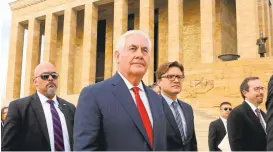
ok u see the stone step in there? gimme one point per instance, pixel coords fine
(202, 119)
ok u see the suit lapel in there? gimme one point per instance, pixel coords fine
(170, 117)
(123, 95)
(253, 117)
(40, 115)
(222, 125)
(155, 115)
(66, 112)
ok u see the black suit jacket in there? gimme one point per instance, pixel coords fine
(245, 132)
(25, 127)
(174, 140)
(269, 108)
(217, 132)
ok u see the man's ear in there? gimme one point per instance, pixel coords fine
(35, 81)
(244, 92)
(158, 82)
(117, 56)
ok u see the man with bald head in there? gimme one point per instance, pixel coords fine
(122, 113)
(42, 121)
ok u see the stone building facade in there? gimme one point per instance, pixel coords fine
(78, 37)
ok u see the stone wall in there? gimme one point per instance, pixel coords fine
(191, 32)
(228, 26)
(207, 85)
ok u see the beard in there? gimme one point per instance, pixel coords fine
(51, 91)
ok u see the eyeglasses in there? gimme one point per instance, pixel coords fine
(45, 76)
(259, 89)
(172, 77)
(226, 109)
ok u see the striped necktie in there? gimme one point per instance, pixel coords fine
(260, 118)
(178, 120)
(57, 128)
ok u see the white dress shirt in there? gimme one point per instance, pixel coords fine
(253, 107)
(142, 94)
(224, 122)
(49, 121)
(170, 101)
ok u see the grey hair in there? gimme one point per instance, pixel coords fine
(121, 41)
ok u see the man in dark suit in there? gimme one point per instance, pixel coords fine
(269, 108)
(121, 113)
(246, 123)
(218, 128)
(179, 115)
(42, 121)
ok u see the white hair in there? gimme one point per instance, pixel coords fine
(121, 41)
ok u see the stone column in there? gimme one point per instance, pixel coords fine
(175, 30)
(162, 34)
(136, 19)
(32, 55)
(13, 84)
(207, 11)
(247, 28)
(120, 24)
(69, 35)
(108, 49)
(89, 55)
(267, 27)
(146, 24)
(51, 26)
(261, 15)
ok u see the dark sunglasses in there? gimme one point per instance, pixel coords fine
(226, 109)
(45, 76)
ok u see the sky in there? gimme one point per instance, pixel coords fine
(5, 22)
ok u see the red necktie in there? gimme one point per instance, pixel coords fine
(144, 115)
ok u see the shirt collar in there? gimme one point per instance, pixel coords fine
(44, 99)
(169, 100)
(129, 85)
(223, 119)
(251, 105)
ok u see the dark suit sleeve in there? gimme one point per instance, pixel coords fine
(194, 141)
(269, 108)
(193, 145)
(10, 140)
(212, 137)
(87, 122)
(235, 128)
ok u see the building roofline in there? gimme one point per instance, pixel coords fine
(18, 4)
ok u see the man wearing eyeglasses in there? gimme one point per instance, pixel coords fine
(218, 128)
(179, 115)
(246, 123)
(42, 121)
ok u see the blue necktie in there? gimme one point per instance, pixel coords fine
(178, 120)
(57, 128)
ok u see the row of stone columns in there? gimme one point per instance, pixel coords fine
(170, 33)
